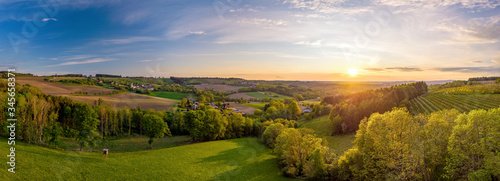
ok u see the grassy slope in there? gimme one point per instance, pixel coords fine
(237, 159)
(256, 105)
(339, 143)
(128, 144)
(261, 96)
(170, 95)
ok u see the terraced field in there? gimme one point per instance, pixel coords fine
(431, 102)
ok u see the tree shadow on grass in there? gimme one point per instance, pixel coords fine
(251, 160)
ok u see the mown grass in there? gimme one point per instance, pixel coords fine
(256, 105)
(237, 159)
(170, 95)
(129, 144)
(266, 95)
(339, 143)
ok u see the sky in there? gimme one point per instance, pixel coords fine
(324, 40)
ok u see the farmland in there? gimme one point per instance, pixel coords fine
(120, 100)
(171, 95)
(262, 95)
(432, 102)
(130, 100)
(237, 159)
(462, 98)
(60, 89)
(218, 87)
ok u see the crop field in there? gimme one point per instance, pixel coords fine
(256, 105)
(171, 95)
(240, 95)
(242, 107)
(60, 89)
(262, 95)
(431, 102)
(237, 159)
(218, 87)
(339, 143)
(131, 100)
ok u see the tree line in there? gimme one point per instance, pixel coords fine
(349, 110)
(396, 145)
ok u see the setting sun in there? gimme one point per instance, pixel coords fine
(353, 72)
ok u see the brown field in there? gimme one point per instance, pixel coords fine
(218, 87)
(60, 89)
(245, 109)
(131, 100)
(240, 95)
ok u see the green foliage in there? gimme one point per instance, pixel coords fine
(257, 112)
(87, 121)
(53, 131)
(155, 127)
(301, 153)
(293, 108)
(271, 133)
(353, 108)
(473, 146)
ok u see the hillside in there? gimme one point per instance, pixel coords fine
(237, 159)
(462, 98)
(321, 126)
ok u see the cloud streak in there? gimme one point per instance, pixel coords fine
(95, 60)
(130, 40)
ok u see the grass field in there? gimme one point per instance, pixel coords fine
(432, 101)
(256, 105)
(170, 95)
(262, 95)
(129, 144)
(339, 143)
(237, 159)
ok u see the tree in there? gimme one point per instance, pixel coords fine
(473, 147)
(294, 109)
(271, 133)
(53, 130)
(257, 112)
(155, 127)
(87, 122)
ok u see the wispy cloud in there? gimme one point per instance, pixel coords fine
(96, 60)
(197, 32)
(144, 60)
(490, 69)
(399, 69)
(309, 43)
(496, 61)
(404, 69)
(49, 19)
(77, 57)
(130, 40)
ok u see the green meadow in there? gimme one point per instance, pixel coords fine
(256, 105)
(266, 95)
(339, 143)
(170, 95)
(236, 159)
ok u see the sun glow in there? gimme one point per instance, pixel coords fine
(353, 72)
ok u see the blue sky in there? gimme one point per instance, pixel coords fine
(260, 39)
